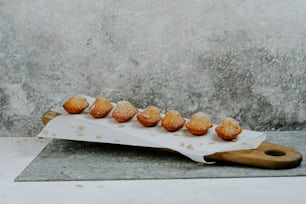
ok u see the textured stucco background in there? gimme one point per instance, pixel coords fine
(244, 59)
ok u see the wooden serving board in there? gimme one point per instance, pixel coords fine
(266, 155)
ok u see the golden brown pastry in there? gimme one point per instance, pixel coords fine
(199, 124)
(229, 129)
(149, 117)
(124, 111)
(173, 121)
(101, 107)
(76, 104)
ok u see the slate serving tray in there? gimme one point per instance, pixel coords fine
(64, 160)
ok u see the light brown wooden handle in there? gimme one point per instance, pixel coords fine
(266, 155)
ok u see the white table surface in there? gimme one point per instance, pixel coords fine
(17, 152)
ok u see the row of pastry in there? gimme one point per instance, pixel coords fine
(124, 111)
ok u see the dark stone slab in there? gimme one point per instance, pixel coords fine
(64, 160)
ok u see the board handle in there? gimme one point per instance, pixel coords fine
(266, 155)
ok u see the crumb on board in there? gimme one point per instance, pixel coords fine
(190, 147)
(45, 132)
(121, 125)
(182, 144)
(175, 134)
(53, 134)
(116, 140)
(98, 137)
(81, 128)
(78, 185)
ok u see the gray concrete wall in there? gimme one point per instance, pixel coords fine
(244, 59)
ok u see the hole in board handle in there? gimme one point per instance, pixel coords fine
(275, 153)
